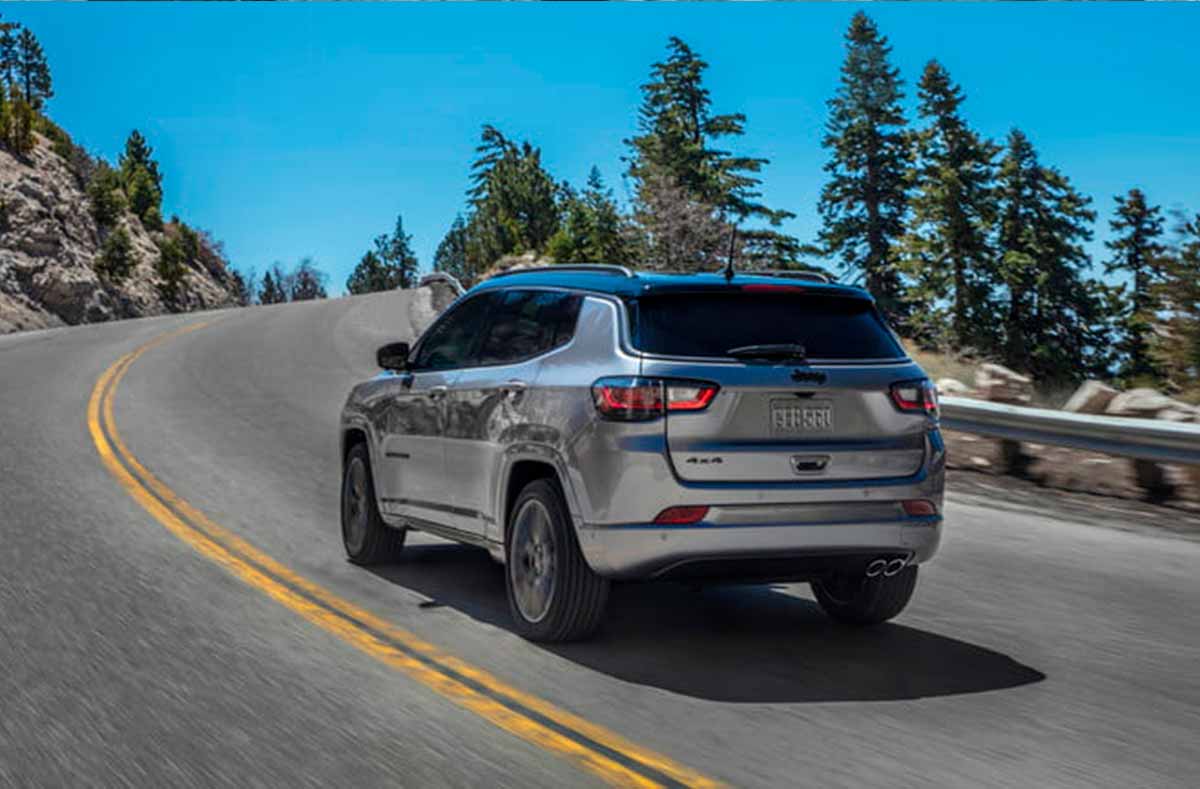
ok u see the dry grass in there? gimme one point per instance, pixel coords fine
(938, 365)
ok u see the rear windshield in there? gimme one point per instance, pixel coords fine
(710, 324)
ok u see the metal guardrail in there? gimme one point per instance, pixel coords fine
(1148, 439)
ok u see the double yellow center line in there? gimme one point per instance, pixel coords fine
(599, 750)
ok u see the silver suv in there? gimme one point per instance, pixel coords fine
(587, 424)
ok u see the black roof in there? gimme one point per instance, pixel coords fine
(630, 284)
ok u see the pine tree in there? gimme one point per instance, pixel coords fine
(392, 264)
(592, 229)
(1056, 322)
(307, 282)
(396, 252)
(139, 154)
(20, 118)
(272, 291)
(1176, 348)
(368, 276)
(513, 200)
(242, 287)
(32, 70)
(9, 58)
(1138, 252)
(676, 149)
(863, 204)
(144, 197)
(451, 254)
(947, 250)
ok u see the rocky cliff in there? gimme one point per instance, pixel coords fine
(49, 243)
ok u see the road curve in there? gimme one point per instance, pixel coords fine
(1040, 650)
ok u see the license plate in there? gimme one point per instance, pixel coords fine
(792, 418)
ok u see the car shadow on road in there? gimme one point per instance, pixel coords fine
(730, 644)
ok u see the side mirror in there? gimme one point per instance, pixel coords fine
(393, 356)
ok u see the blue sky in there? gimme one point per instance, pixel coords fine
(303, 129)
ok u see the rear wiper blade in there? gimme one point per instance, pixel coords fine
(776, 351)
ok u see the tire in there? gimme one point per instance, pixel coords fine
(552, 593)
(860, 600)
(367, 539)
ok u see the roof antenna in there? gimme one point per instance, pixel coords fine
(729, 261)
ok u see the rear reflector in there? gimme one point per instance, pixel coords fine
(918, 507)
(681, 515)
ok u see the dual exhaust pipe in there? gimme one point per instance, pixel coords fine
(886, 567)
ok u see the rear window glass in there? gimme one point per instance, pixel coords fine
(710, 324)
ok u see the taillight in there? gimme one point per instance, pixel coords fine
(641, 399)
(677, 516)
(919, 396)
(628, 399)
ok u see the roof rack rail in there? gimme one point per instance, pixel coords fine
(812, 276)
(595, 268)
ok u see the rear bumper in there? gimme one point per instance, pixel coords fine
(765, 551)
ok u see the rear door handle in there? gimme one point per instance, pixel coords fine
(437, 392)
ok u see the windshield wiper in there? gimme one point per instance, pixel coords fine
(787, 350)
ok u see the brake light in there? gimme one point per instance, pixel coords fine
(918, 396)
(677, 516)
(642, 399)
(628, 399)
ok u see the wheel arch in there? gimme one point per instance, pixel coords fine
(520, 470)
(354, 432)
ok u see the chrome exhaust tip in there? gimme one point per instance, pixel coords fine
(877, 567)
(894, 567)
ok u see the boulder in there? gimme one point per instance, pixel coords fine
(1002, 385)
(1092, 397)
(1149, 404)
(952, 387)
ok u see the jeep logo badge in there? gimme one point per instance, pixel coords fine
(808, 376)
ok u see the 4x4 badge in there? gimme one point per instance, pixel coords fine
(808, 376)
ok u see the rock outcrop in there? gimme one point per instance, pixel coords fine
(952, 387)
(49, 243)
(1092, 397)
(1002, 385)
(1151, 404)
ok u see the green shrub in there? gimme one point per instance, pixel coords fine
(106, 197)
(19, 129)
(153, 219)
(143, 194)
(116, 259)
(171, 268)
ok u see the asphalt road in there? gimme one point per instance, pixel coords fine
(1043, 648)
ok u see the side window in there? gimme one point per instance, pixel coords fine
(528, 323)
(453, 341)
